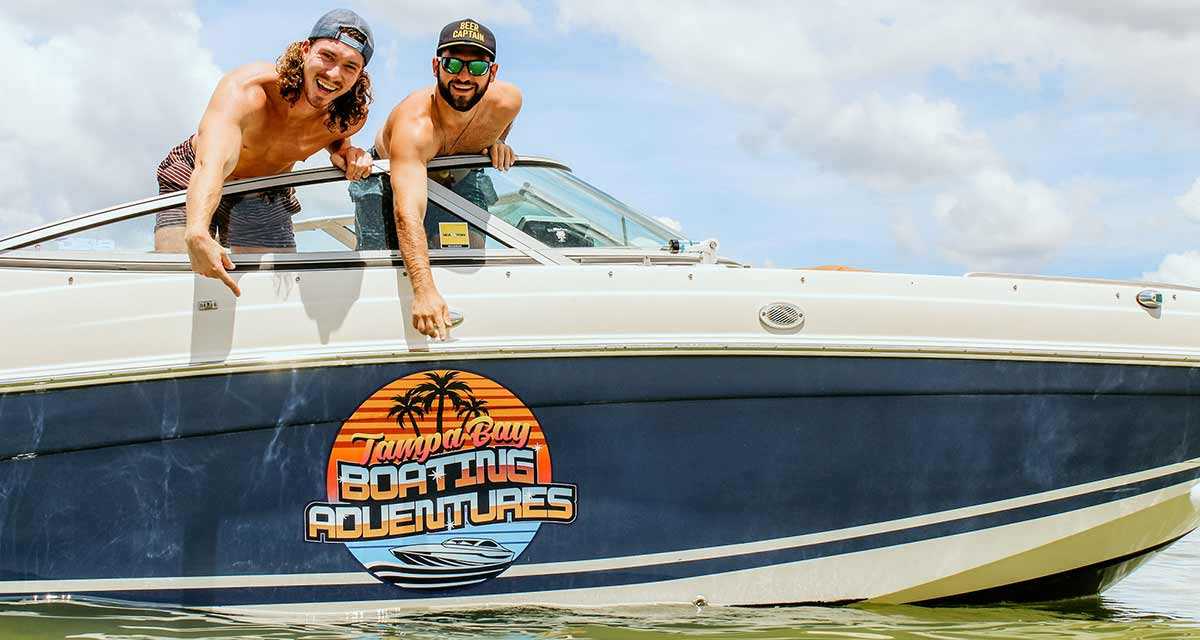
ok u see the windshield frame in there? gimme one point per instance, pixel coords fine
(130, 210)
(20, 246)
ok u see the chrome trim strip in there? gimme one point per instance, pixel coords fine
(59, 379)
(1073, 279)
(620, 562)
(88, 261)
(627, 255)
(160, 262)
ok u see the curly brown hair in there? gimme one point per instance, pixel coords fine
(345, 112)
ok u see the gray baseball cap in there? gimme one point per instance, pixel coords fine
(331, 24)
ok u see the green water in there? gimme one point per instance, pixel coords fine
(1161, 600)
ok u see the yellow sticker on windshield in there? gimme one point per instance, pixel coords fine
(453, 235)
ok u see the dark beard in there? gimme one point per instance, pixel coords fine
(444, 90)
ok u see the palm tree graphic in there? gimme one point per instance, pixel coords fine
(472, 407)
(408, 405)
(440, 388)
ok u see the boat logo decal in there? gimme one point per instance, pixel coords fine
(440, 479)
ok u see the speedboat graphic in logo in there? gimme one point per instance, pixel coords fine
(439, 480)
(454, 563)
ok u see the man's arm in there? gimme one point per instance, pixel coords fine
(509, 106)
(430, 315)
(218, 144)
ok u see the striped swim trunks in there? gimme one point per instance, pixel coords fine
(262, 219)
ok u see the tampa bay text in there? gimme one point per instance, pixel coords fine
(383, 495)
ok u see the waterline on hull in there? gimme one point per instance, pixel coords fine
(830, 580)
(905, 582)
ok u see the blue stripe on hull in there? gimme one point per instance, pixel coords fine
(210, 476)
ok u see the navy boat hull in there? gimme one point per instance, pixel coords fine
(744, 480)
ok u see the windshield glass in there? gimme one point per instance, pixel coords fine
(556, 208)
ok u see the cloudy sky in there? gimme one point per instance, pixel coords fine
(1041, 136)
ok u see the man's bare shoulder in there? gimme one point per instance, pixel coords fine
(416, 105)
(506, 97)
(413, 136)
(252, 84)
(410, 125)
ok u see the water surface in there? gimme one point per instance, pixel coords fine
(1160, 601)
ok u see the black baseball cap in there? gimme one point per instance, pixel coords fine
(331, 24)
(469, 33)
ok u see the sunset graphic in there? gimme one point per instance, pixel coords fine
(432, 402)
(439, 480)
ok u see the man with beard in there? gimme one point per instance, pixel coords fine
(261, 120)
(467, 111)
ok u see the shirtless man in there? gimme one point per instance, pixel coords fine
(467, 111)
(261, 120)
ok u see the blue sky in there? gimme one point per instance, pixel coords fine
(899, 136)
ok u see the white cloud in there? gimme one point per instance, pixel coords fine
(420, 17)
(1176, 18)
(996, 223)
(71, 14)
(1177, 268)
(893, 144)
(833, 84)
(1190, 202)
(820, 79)
(104, 94)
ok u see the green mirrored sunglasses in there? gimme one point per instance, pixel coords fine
(474, 67)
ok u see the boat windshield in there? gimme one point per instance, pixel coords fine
(556, 208)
